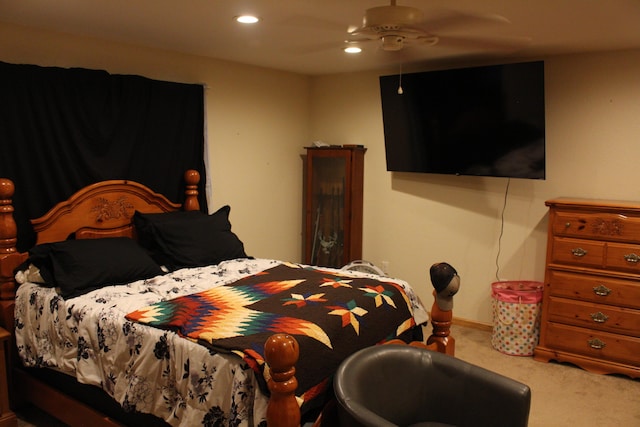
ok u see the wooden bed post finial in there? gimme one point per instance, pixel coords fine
(191, 179)
(281, 352)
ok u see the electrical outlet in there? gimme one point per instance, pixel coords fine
(385, 267)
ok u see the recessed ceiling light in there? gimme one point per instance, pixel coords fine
(247, 19)
(352, 49)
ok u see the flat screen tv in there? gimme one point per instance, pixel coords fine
(484, 121)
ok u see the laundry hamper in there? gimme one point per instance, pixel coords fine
(516, 316)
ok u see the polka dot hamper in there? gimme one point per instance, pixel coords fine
(516, 316)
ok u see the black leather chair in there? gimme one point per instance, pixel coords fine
(399, 385)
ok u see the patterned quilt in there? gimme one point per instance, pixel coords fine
(330, 313)
(154, 370)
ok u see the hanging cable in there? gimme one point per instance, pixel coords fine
(400, 91)
(504, 207)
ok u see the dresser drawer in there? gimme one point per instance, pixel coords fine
(597, 289)
(595, 316)
(578, 252)
(604, 226)
(596, 344)
(623, 257)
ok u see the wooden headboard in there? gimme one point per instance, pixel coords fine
(104, 209)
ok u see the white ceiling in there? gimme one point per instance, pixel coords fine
(306, 36)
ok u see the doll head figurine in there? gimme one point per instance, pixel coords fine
(446, 282)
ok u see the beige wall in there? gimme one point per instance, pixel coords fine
(258, 120)
(414, 220)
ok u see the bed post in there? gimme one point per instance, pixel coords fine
(446, 283)
(281, 352)
(10, 258)
(191, 179)
(441, 336)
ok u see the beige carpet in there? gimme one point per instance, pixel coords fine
(562, 395)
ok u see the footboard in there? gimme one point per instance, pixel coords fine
(281, 353)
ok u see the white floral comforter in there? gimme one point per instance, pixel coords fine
(144, 368)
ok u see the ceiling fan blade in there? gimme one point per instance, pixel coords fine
(318, 47)
(363, 34)
(503, 44)
(314, 23)
(452, 20)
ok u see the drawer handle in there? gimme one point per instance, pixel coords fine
(596, 343)
(633, 258)
(599, 317)
(567, 224)
(579, 252)
(601, 290)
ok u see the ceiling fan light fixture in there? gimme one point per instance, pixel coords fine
(392, 42)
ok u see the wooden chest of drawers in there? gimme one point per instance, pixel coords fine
(591, 303)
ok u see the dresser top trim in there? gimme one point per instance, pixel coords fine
(593, 204)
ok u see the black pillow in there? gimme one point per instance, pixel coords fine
(79, 266)
(188, 239)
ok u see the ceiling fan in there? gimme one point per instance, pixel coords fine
(396, 27)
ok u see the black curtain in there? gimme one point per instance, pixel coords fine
(62, 129)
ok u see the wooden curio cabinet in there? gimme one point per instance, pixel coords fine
(333, 205)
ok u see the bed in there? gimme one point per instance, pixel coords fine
(152, 346)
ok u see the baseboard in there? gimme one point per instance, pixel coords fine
(472, 324)
(8, 419)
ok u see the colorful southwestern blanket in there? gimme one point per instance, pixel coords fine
(331, 314)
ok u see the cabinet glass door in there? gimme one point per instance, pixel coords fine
(328, 210)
